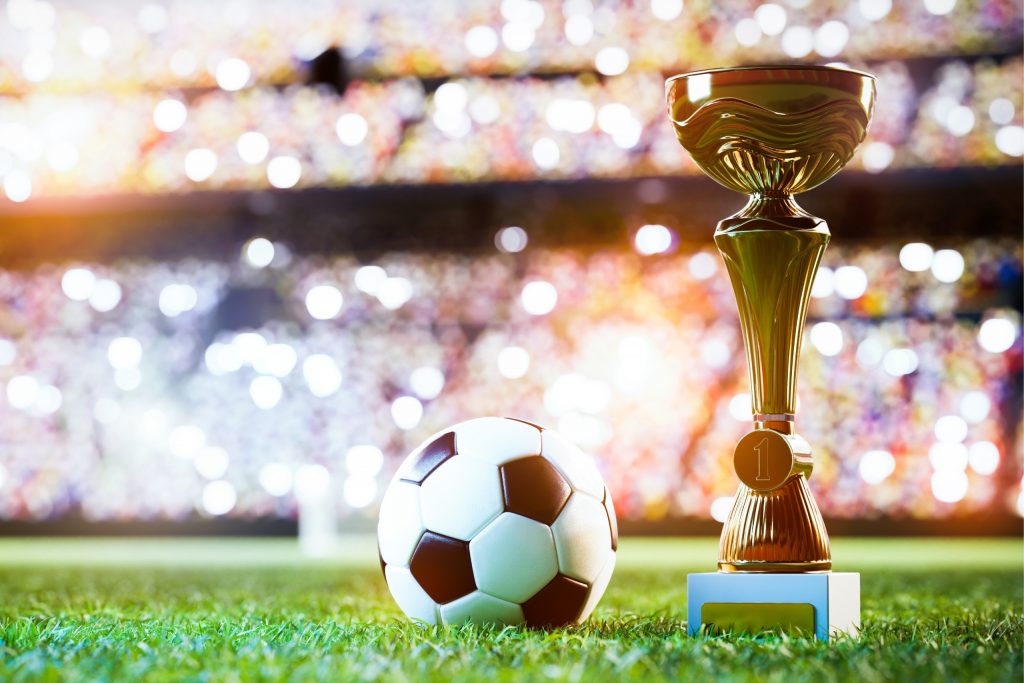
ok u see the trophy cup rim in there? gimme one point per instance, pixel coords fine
(771, 67)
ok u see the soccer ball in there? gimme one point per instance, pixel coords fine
(497, 520)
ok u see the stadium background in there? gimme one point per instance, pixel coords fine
(253, 253)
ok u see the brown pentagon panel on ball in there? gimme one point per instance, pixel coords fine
(534, 489)
(416, 469)
(442, 567)
(557, 604)
(613, 523)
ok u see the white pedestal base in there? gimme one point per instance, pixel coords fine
(825, 603)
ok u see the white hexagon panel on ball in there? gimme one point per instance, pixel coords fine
(460, 497)
(513, 557)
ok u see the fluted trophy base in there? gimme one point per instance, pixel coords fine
(775, 531)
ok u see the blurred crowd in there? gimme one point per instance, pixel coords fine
(62, 45)
(139, 390)
(465, 130)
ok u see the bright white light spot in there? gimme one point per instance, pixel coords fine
(748, 33)
(771, 18)
(546, 153)
(407, 412)
(48, 401)
(831, 38)
(484, 109)
(613, 116)
(8, 351)
(997, 335)
(877, 156)
(22, 391)
(702, 265)
(949, 486)
(666, 10)
(223, 358)
(252, 147)
(426, 382)
(324, 302)
(312, 482)
(124, 352)
(874, 10)
(265, 392)
(249, 345)
(62, 156)
(947, 265)
(824, 283)
(539, 297)
(950, 429)
(876, 466)
(259, 252)
(653, 239)
(321, 374)
(527, 11)
(827, 338)
(741, 407)
(94, 41)
(481, 41)
(511, 240)
(517, 36)
(452, 122)
(1001, 111)
(275, 359)
(233, 74)
(948, 456)
(975, 406)
(284, 172)
(579, 29)
(960, 121)
(186, 441)
(983, 457)
(176, 299)
(899, 362)
(359, 491)
(916, 257)
(394, 292)
(351, 129)
(276, 479)
(17, 186)
(211, 462)
(219, 497)
(37, 66)
(105, 295)
(152, 17)
(574, 116)
(78, 284)
(169, 115)
(721, 507)
(797, 41)
(1009, 141)
(513, 362)
(369, 279)
(714, 353)
(200, 164)
(1020, 502)
(565, 393)
(611, 61)
(850, 282)
(939, 7)
(364, 460)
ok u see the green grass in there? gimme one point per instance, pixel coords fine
(219, 610)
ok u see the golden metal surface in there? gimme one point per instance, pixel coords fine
(772, 132)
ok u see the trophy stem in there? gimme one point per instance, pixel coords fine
(772, 249)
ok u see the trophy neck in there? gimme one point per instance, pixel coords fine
(772, 249)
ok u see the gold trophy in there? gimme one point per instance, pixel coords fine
(772, 132)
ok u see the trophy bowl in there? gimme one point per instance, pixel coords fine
(771, 130)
